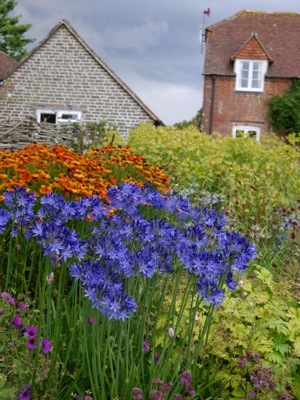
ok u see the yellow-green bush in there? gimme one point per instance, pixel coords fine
(230, 166)
(255, 180)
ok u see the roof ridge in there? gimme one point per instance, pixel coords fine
(245, 12)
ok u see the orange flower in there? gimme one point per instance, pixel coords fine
(42, 168)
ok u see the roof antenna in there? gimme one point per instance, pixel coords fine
(202, 32)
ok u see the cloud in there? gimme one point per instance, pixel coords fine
(171, 102)
(137, 37)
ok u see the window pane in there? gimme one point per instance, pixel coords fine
(245, 65)
(252, 134)
(244, 74)
(256, 65)
(47, 117)
(240, 133)
(256, 75)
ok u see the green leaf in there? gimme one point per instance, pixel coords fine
(7, 394)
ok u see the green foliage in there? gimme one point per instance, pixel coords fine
(12, 39)
(284, 111)
(95, 134)
(194, 122)
(261, 316)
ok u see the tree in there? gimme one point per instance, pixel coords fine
(12, 40)
(284, 111)
(196, 121)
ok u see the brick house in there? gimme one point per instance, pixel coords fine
(62, 80)
(250, 57)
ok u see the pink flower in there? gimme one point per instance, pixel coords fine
(46, 346)
(31, 331)
(91, 320)
(31, 343)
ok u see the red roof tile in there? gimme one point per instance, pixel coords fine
(279, 34)
(7, 64)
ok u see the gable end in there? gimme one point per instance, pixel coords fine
(252, 49)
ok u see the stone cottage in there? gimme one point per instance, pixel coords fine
(250, 57)
(62, 80)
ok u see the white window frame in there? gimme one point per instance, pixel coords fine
(250, 75)
(60, 115)
(247, 130)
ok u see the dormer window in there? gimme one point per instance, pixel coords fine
(250, 75)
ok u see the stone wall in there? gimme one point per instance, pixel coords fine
(62, 74)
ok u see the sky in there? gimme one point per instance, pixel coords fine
(152, 45)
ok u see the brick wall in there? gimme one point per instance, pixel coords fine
(63, 71)
(232, 108)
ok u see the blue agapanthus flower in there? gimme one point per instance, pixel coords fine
(5, 218)
(136, 232)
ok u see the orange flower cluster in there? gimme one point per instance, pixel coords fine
(44, 169)
(131, 167)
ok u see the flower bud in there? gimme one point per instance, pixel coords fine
(170, 332)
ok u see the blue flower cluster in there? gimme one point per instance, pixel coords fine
(138, 231)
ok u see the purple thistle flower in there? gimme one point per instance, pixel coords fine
(283, 396)
(178, 396)
(7, 296)
(242, 362)
(46, 346)
(90, 320)
(21, 305)
(16, 321)
(186, 378)
(156, 395)
(137, 394)
(190, 390)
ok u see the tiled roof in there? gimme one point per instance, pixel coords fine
(278, 33)
(7, 64)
